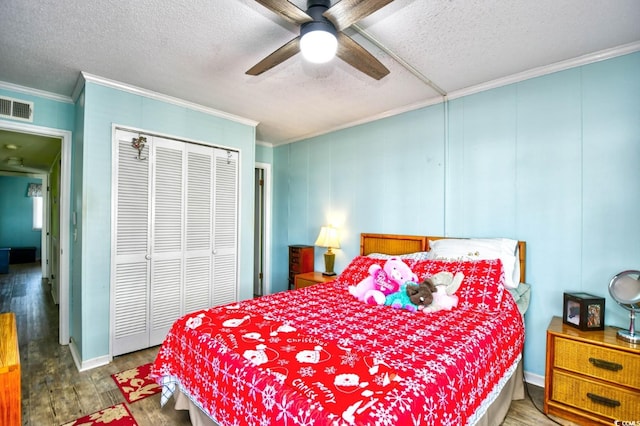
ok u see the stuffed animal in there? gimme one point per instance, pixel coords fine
(401, 299)
(397, 273)
(421, 294)
(366, 290)
(382, 281)
(446, 285)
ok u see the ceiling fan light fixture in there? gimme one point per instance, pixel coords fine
(318, 42)
(14, 161)
(322, 34)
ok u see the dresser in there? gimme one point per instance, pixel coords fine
(591, 376)
(301, 260)
(311, 278)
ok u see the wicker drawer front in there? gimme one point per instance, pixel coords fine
(595, 397)
(597, 361)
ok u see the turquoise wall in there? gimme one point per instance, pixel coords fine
(51, 113)
(75, 268)
(16, 214)
(552, 160)
(104, 106)
(264, 154)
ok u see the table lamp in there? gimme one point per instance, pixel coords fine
(328, 238)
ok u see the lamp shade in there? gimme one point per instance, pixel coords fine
(328, 237)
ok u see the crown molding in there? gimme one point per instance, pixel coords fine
(602, 55)
(35, 92)
(86, 77)
(385, 114)
(590, 58)
(263, 143)
(77, 90)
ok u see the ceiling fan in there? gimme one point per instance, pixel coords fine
(325, 22)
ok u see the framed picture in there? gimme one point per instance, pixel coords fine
(583, 311)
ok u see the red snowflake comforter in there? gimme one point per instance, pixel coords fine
(317, 356)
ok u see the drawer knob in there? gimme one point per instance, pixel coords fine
(603, 400)
(607, 365)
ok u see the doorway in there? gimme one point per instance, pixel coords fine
(64, 217)
(262, 230)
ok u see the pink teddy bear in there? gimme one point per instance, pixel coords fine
(374, 289)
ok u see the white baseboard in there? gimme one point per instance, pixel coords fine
(88, 364)
(54, 296)
(534, 379)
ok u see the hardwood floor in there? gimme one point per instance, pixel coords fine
(54, 392)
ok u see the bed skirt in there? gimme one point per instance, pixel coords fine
(497, 411)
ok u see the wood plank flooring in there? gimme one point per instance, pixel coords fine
(54, 392)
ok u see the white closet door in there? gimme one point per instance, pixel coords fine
(225, 232)
(175, 236)
(167, 240)
(199, 229)
(130, 270)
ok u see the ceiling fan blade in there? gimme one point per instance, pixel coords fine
(347, 12)
(358, 57)
(280, 55)
(286, 10)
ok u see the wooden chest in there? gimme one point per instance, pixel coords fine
(301, 259)
(10, 402)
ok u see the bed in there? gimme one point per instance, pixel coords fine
(318, 356)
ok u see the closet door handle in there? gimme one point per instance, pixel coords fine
(214, 251)
(607, 365)
(147, 256)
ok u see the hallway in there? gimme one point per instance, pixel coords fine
(53, 391)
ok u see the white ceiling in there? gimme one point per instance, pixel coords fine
(199, 51)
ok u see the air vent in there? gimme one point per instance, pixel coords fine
(16, 109)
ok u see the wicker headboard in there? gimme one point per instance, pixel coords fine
(403, 244)
(391, 244)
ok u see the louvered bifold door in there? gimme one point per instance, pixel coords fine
(167, 238)
(130, 237)
(199, 232)
(225, 232)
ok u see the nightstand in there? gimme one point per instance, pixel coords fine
(301, 260)
(591, 376)
(311, 278)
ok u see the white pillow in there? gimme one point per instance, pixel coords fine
(419, 255)
(481, 249)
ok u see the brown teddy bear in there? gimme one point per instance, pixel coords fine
(421, 294)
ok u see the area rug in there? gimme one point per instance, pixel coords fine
(117, 415)
(135, 383)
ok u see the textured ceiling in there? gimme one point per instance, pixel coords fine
(199, 51)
